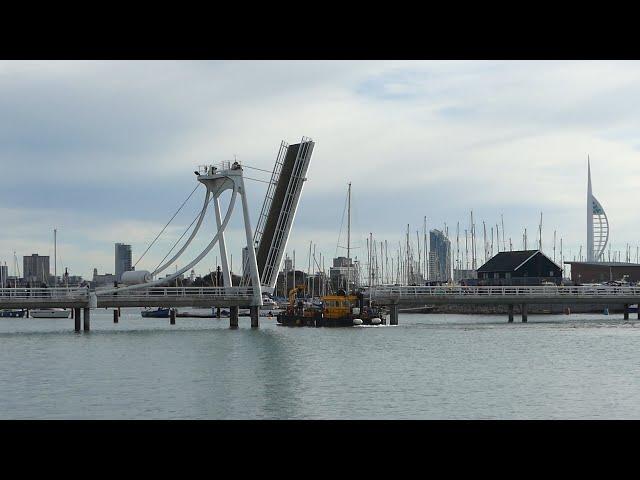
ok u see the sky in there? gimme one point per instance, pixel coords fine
(104, 151)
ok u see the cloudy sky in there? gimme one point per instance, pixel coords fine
(105, 151)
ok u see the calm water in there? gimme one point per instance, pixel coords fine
(428, 367)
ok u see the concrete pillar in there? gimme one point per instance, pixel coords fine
(233, 317)
(172, 316)
(115, 316)
(626, 311)
(119, 313)
(27, 314)
(511, 313)
(87, 319)
(393, 315)
(255, 316)
(638, 312)
(218, 312)
(76, 319)
(524, 313)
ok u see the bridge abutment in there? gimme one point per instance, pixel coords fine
(524, 313)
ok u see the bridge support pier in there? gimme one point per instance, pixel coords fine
(524, 313)
(87, 319)
(76, 319)
(115, 316)
(255, 316)
(393, 315)
(233, 317)
(172, 316)
(626, 311)
(511, 313)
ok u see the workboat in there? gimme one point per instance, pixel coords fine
(157, 313)
(50, 313)
(339, 310)
(12, 313)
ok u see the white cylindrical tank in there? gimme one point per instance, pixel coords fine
(376, 321)
(136, 277)
(357, 321)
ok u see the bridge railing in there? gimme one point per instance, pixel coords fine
(183, 292)
(393, 291)
(61, 293)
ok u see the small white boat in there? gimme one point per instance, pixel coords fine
(50, 313)
(357, 321)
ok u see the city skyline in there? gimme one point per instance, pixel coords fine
(455, 143)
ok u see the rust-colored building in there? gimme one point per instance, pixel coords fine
(598, 272)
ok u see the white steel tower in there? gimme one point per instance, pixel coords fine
(597, 224)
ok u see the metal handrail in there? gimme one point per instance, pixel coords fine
(53, 292)
(217, 292)
(503, 291)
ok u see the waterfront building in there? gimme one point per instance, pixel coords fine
(123, 260)
(343, 274)
(106, 279)
(439, 257)
(35, 269)
(600, 272)
(4, 276)
(520, 267)
(460, 274)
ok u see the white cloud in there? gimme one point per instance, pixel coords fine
(106, 150)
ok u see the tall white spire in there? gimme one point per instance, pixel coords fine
(590, 254)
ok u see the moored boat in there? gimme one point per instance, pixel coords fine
(339, 310)
(12, 313)
(50, 313)
(157, 313)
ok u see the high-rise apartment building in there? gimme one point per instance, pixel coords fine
(123, 259)
(439, 257)
(35, 269)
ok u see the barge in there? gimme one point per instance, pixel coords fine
(339, 310)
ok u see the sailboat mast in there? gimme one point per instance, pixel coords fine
(349, 238)
(55, 258)
(349, 222)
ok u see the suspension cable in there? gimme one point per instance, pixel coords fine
(164, 228)
(187, 229)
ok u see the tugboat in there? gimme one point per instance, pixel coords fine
(340, 310)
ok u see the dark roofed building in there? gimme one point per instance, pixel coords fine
(598, 272)
(520, 267)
